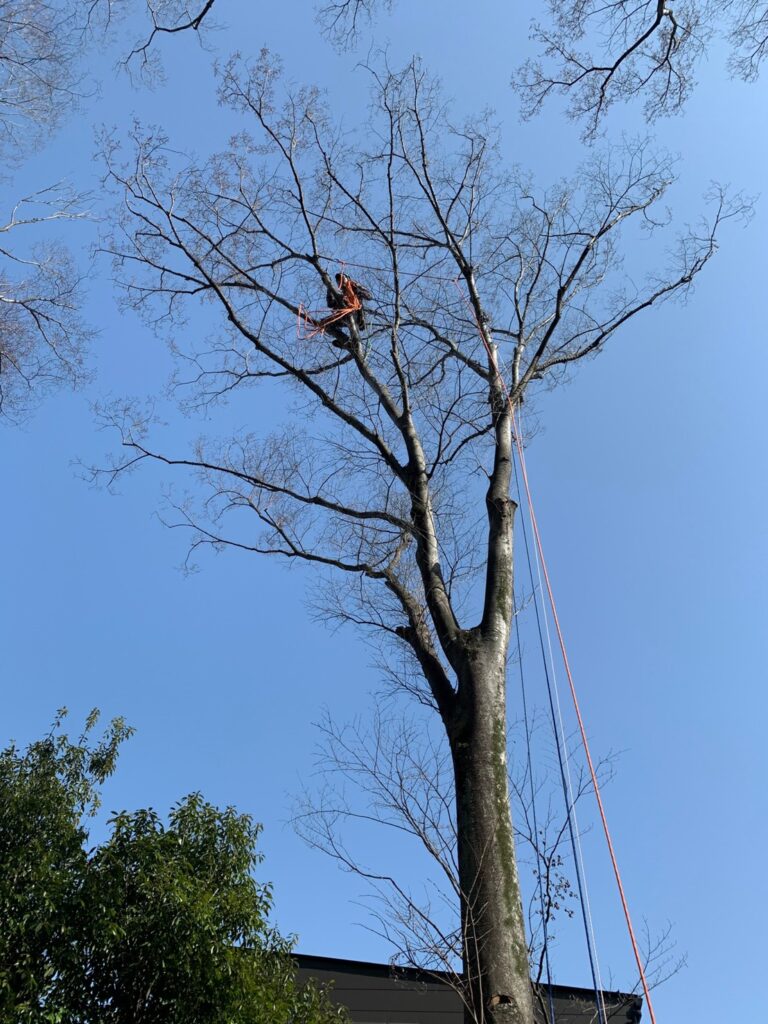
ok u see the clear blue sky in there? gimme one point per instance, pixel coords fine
(649, 474)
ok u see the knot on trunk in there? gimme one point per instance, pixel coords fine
(499, 1000)
(502, 1007)
(502, 504)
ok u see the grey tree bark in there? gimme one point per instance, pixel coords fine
(496, 956)
(496, 953)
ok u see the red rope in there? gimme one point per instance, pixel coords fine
(306, 319)
(582, 731)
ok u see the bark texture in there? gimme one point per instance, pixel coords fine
(495, 949)
(496, 954)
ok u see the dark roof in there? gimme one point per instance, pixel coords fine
(379, 994)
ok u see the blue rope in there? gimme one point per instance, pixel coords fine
(560, 759)
(544, 914)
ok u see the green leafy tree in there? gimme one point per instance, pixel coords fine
(47, 793)
(161, 922)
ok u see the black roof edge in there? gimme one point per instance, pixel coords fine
(308, 960)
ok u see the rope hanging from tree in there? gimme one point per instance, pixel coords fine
(564, 773)
(543, 908)
(481, 328)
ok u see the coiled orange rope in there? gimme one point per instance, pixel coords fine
(310, 324)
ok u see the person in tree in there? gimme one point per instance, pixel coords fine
(348, 295)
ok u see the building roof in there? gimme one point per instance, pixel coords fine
(379, 994)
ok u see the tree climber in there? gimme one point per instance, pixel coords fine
(348, 295)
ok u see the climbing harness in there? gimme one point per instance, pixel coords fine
(310, 324)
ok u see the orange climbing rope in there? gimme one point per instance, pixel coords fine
(310, 324)
(580, 720)
(561, 641)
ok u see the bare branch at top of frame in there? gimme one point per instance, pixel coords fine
(161, 19)
(597, 54)
(343, 20)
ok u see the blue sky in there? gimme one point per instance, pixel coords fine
(648, 472)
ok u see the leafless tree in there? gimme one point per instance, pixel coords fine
(599, 53)
(39, 71)
(42, 337)
(395, 775)
(342, 20)
(392, 468)
(161, 17)
(42, 43)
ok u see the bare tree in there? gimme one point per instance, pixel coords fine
(39, 71)
(598, 53)
(42, 43)
(162, 18)
(42, 338)
(392, 469)
(395, 775)
(342, 20)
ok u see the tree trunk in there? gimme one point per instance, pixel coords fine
(495, 951)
